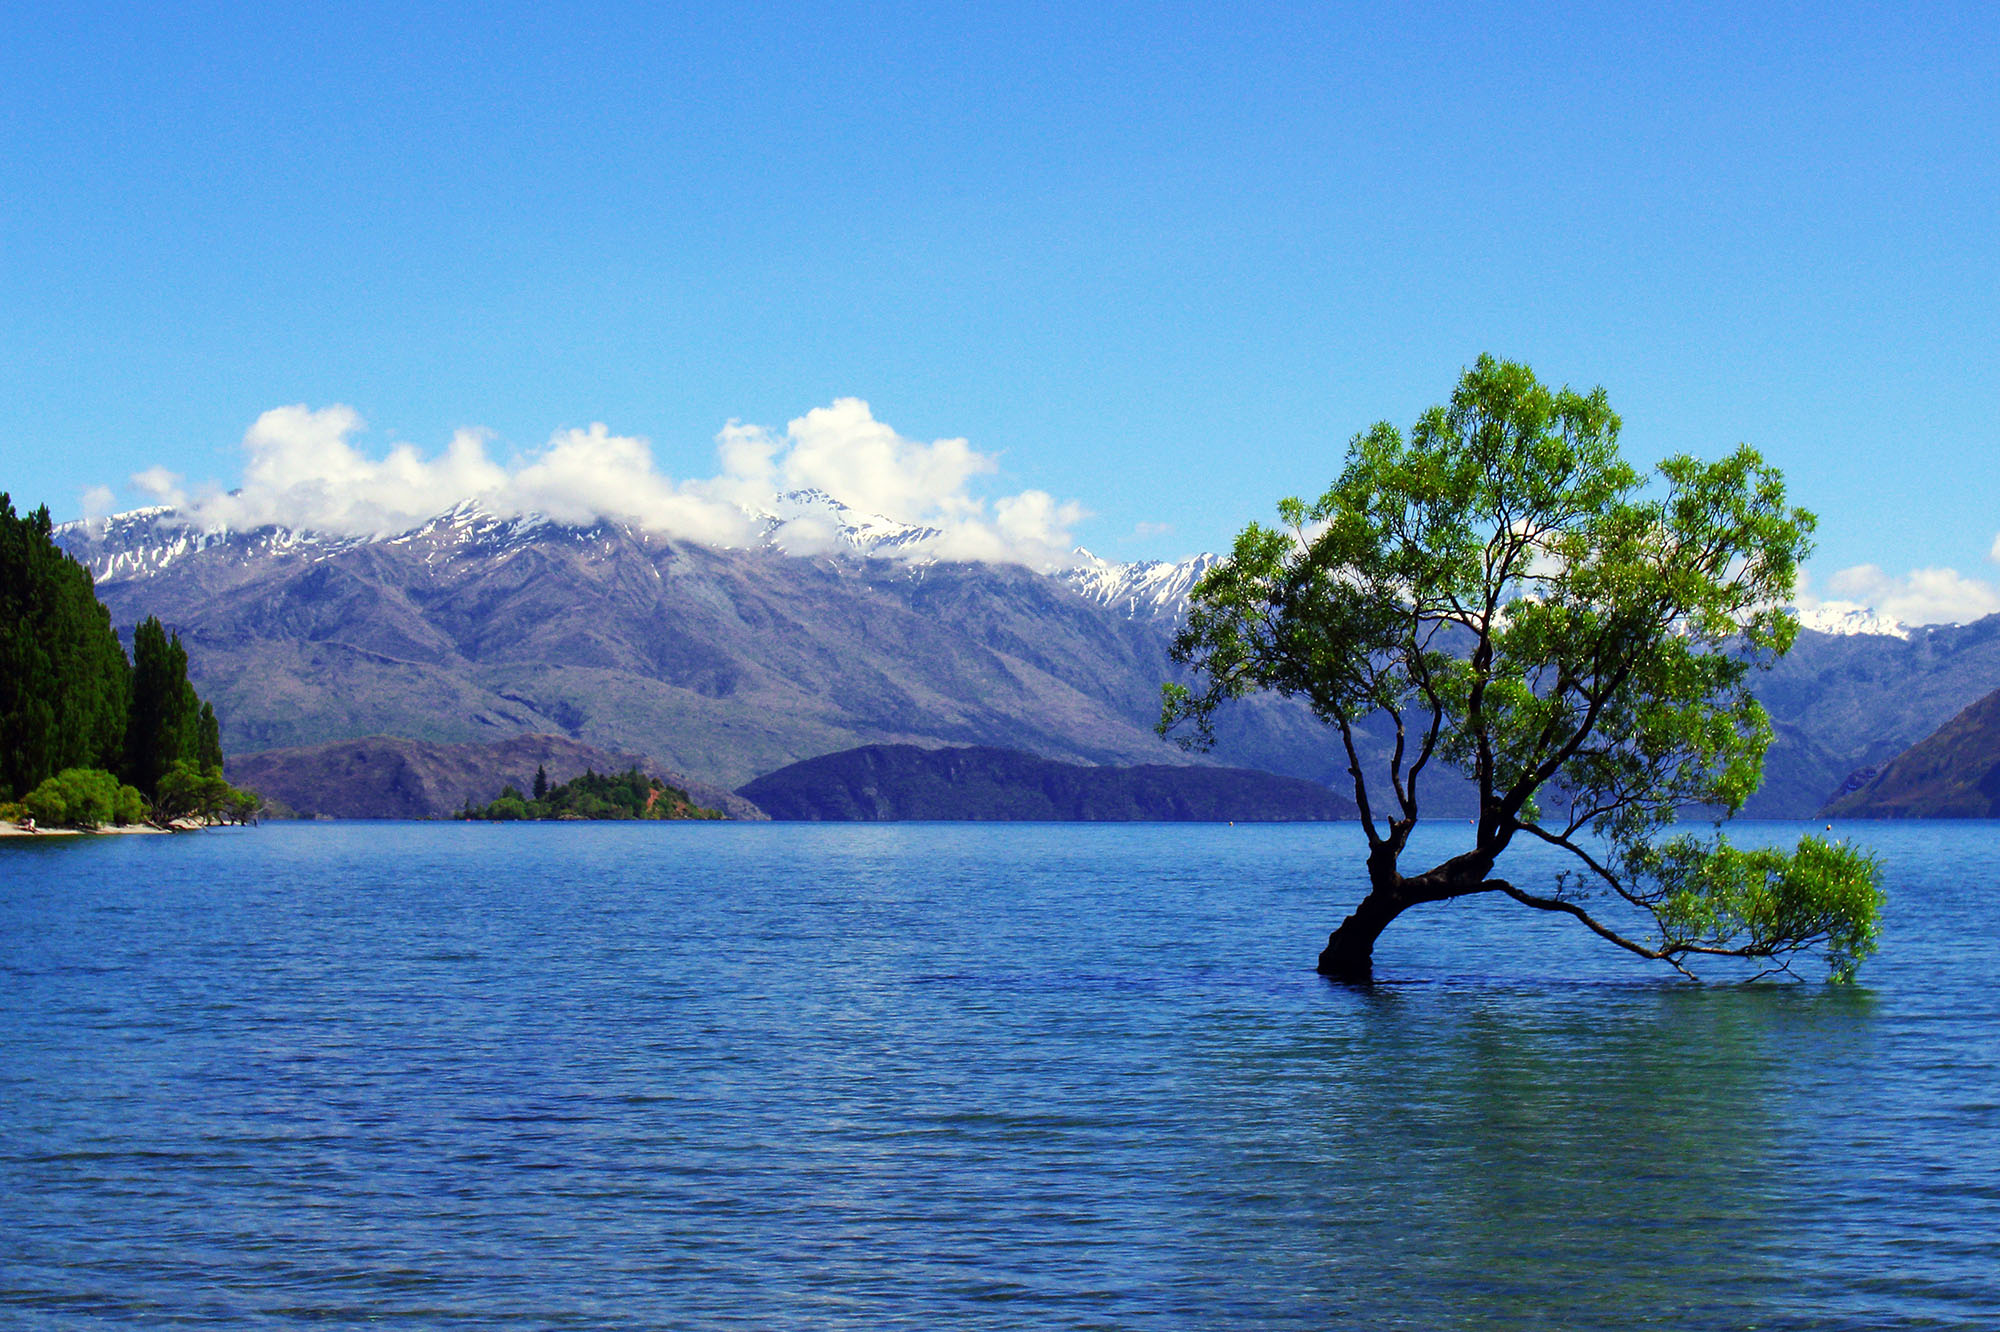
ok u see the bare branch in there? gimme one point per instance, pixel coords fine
(1596, 927)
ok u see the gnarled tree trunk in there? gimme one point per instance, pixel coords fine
(1349, 955)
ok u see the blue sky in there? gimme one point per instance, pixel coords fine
(1160, 261)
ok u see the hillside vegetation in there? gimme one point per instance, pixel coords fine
(393, 777)
(627, 795)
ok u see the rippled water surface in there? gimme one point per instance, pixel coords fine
(653, 1076)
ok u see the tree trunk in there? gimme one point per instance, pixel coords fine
(1349, 955)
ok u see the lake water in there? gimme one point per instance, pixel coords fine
(924, 1076)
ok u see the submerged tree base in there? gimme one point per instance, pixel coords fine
(1349, 955)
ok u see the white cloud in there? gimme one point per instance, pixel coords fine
(585, 475)
(843, 450)
(1994, 553)
(161, 486)
(1922, 596)
(98, 502)
(303, 470)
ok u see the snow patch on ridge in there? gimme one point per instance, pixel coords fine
(1149, 587)
(1845, 620)
(806, 523)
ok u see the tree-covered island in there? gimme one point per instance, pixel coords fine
(627, 795)
(88, 736)
(1504, 595)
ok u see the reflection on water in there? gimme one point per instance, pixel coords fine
(954, 1075)
(1451, 1160)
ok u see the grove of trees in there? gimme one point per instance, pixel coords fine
(626, 795)
(1500, 593)
(87, 735)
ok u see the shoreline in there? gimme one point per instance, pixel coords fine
(113, 830)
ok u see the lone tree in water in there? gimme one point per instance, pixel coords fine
(1501, 593)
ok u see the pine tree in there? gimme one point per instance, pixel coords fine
(208, 745)
(64, 681)
(165, 725)
(541, 782)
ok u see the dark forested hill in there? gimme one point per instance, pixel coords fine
(1953, 773)
(894, 782)
(386, 777)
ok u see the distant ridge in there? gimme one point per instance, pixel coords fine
(389, 777)
(889, 783)
(1953, 773)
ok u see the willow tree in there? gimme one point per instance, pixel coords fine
(1501, 594)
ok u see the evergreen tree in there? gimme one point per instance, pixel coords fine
(64, 682)
(208, 746)
(165, 725)
(541, 782)
(72, 705)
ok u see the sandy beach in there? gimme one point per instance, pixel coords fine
(16, 830)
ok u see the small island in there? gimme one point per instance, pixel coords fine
(627, 795)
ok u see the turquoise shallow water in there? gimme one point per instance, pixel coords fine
(654, 1076)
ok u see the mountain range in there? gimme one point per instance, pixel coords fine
(727, 664)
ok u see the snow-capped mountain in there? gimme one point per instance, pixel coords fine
(1149, 587)
(803, 522)
(1844, 620)
(812, 523)
(145, 541)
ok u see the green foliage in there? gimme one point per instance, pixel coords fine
(188, 792)
(69, 698)
(1766, 903)
(627, 795)
(208, 739)
(166, 725)
(83, 798)
(63, 676)
(1513, 599)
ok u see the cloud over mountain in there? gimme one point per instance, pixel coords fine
(303, 470)
(1921, 596)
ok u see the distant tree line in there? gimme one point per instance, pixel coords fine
(627, 795)
(87, 735)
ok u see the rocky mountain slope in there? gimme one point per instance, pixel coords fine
(725, 664)
(894, 782)
(1953, 773)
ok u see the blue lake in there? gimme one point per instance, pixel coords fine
(1036, 1076)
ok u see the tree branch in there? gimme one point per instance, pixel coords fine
(1596, 927)
(1360, 782)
